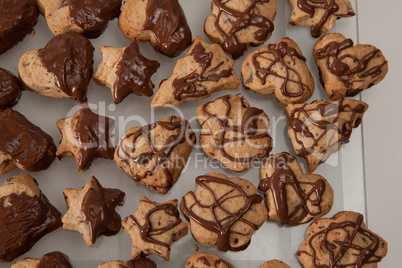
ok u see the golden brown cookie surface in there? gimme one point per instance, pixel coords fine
(275, 264)
(139, 262)
(205, 260)
(53, 259)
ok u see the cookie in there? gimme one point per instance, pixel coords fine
(63, 69)
(320, 15)
(223, 211)
(345, 69)
(17, 19)
(279, 69)
(204, 69)
(50, 260)
(86, 136)
(87, 17)
(275, 264)
(233, 132)
(25, 216)
(292, 197)
(92, 211)
(342, 241)
(10, 89)
(239, 24)
(125, 70)
(155, 154)
(133, 263)
(154, 227)
(23, 145)
(318, 130)
(162, 22)
(205, 260)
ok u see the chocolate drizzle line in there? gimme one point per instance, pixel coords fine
(284, 176)
(69, 57)
(222, 228)
(133, 74)
(242, 20)
(329, 112)
(54, 260)
(138, 263)
(276, 55)
(10, 89)
(330, 8)
(159, 157)
(188, 85)
(336, 249)
(341, 70)
(166, 19)
(248, 130)
(204, 260)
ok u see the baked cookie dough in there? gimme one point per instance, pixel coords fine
(154, 228)
(92, 211)
(23, 145)
(341, 241)
(205, 69)
(320, 15)
(205, 260)
(86, 136)
(275, 264)
(87, 17)
(125, 70)
(318, 130)
(292, 197)
(239, 24)
(25, 216)
(155, 154)
(233, 132)
(63, 69)
(139, 262)
(345, 69)
(223, 211)
(162, 22)
(279, 69)
(10, 89)
(50, 260)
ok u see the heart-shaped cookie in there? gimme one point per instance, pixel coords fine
(292, 197)
(345, 69)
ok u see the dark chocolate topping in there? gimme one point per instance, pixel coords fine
(69, 57)
(133, 74)
(10, 89)
(93, 15)
(284, 177)
(139, 263)
(17, 19)
(223, 228)
(187, 85)
(166, 19)
(24, 221)
(98, 209)
(204, 260)
(242, 20)
(26, 143)
(54, 260)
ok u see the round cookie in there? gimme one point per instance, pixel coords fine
(53, 259)
(139, 262)
(275, 264)
(205, 260)
(10, 89)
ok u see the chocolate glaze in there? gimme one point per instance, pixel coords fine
(284, 177)
(138, 263)
(247, 130)
(133, 74)
(69, 57)
(98, 209)
(17, 19)
(92, 132)
(166, 19)
(93, 15)
(24, 221)
(187, 85)
(10, 89)
(336, 250)
(242, 20)
(160, 157)
(223, 229)
(204, 261)
(54, 260)
(26, 143)
(341, 70)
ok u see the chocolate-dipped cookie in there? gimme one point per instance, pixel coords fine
(50, 260)
(10, 89)
(139, 262)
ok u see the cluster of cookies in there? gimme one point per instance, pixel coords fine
(223, 212)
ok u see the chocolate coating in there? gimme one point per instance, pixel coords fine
(54, 260)
(139, 263)
(10, 89)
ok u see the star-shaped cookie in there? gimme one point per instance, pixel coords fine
(86, 136)
(154, 227)
(91, 211)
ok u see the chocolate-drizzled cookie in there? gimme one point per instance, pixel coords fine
(205, 260)
(139, 262)
(10, 89)
(347, 69)
(53, 259)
